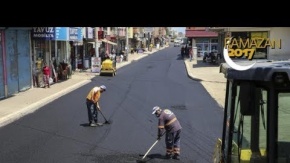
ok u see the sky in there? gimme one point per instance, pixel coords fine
(179, 29)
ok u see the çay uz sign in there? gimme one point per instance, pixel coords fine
(57, 33)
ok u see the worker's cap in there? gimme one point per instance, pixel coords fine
(155, 108)
(103, 87)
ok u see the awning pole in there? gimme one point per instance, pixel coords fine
(127, 43)
(96, 42)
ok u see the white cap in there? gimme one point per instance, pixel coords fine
(103, 87)
(155, 108)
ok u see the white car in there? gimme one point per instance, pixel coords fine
(176, 44)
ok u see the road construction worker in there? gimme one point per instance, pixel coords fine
(92, 101)
(168, 123)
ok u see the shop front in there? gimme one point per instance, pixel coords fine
(76, 47)
(206, 45)
(15, 63)
(88, 51)
(50, 45)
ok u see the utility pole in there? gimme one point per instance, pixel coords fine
(96, 41)
(127, 43)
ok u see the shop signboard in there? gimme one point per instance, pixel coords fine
(61, 33)
(246, 48)
(46, 33)
(50, 33)
(148, 29)
(90, 33)
(96, 64)
(100, 35)
(75, 34)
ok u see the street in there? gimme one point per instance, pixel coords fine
(58, 132)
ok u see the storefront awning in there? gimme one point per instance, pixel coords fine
(94, 42)
(109, 42)
(78, 43)
(195, 33)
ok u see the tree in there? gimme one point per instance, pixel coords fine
(167, 31)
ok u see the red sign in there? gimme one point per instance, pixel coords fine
(113, 39)
(100, 35)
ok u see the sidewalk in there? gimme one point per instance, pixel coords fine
(26, 102)
(210, 77)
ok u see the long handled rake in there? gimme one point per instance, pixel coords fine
(106, 121)
(142, 160)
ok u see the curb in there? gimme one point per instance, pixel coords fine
(189, 74)
(35, 106)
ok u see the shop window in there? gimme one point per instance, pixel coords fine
(214, 47)
(214, 40)
(202, 40)
(41, 49)
(260, 53)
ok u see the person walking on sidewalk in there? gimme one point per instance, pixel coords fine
(46, 75)
(190, 54)
(167, 122)
(151, 47)
(182, 52)
(92, 102)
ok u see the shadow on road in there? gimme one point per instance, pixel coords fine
(179, 57)
(85, 125)
(155, 158)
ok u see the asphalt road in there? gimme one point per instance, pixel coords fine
(58, 132)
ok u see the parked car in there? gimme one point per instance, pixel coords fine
(176, 44)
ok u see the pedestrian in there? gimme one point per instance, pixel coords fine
(190, 54)
(186, 53)
(46, 75)
(92, 102)
(151, 47)
(121, 57)
(168, 123)
(34, 76)
(182, 50)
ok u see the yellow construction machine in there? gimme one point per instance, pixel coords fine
(108, 67)
(256, 123)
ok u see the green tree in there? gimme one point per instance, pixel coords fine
(167, 31)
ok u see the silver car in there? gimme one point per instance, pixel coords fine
(176, 44)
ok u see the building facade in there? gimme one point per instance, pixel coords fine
(23, 52)
(205, 41)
